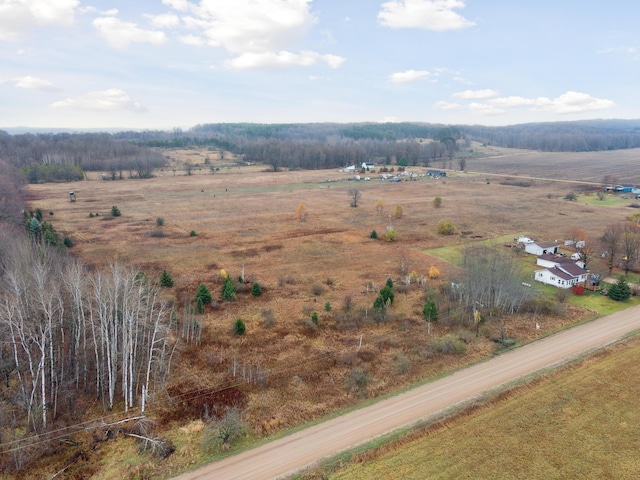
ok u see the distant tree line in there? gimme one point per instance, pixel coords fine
(579, 136)
(64, 156)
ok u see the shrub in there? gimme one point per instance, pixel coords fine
(327, 306)
(571, 197)
(390, 236)
(398, 211)
(433, 272)
(373, 235)
(317, 290)
(91, 215)
(226, 430)
(157, 233)
(165, 279)
(269, 319)
(239, 327)
(228, 289)
(563, 294)
(192, 233)
(578, 290)
(314, 317)
(256, 289)
(67, 242)
(115, 211)
(445, 227)
(357, 379)
(437, 202)
(202, 298)
(159, 221)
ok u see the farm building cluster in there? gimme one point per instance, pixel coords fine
(558, 269)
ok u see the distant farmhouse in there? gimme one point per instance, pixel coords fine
(368, 165)
(436, 173)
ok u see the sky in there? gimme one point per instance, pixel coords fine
(165, 64)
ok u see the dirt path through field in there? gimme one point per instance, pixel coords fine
(287, 455)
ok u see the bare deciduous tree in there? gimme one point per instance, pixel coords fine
(354, 195)
(612, 242)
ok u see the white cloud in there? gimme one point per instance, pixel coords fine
(180, 5)
(192, 40)
(255, 26)
(105, 13)
(408, 76)
(35, 83)
(282, 59)
(258, 33)
(121, 34)
(391, 119)
(484, 109)
(569, 102)
(442, 105)
(475, 94)
(573, 102)
(437, 15)
(165, 20)
(106, 100)
(512, 102)
(19, 16)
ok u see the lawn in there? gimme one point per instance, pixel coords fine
(578, 423)
(452, 254)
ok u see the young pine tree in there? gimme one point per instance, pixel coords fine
(202, 298)
(228, 289)
(165, 279)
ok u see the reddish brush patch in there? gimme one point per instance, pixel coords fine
(188, 404)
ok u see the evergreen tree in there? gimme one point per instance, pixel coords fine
(202, 298)
(165, 279)
(430, 312)
(386, 293)
(620, 291)
(256, 289)
(239, 327)
(228, 289)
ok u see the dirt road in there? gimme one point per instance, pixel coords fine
(287, 455)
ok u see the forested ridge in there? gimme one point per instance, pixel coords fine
(45, 157)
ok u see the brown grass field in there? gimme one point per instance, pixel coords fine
(245, 216)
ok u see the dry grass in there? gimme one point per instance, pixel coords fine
(579, 423)
(245, 216)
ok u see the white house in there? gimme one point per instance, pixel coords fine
(349, 169)
(562, 276)
(524, 239)
(368, 165)
(540, 248)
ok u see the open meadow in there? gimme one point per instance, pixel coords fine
(287, 369)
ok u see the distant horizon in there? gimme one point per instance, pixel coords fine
(165, 64)
(18, 130)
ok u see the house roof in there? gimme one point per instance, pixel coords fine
(572, 269)
(550, 257)
(545, 244)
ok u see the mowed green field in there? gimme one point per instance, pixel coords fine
(580, 423)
